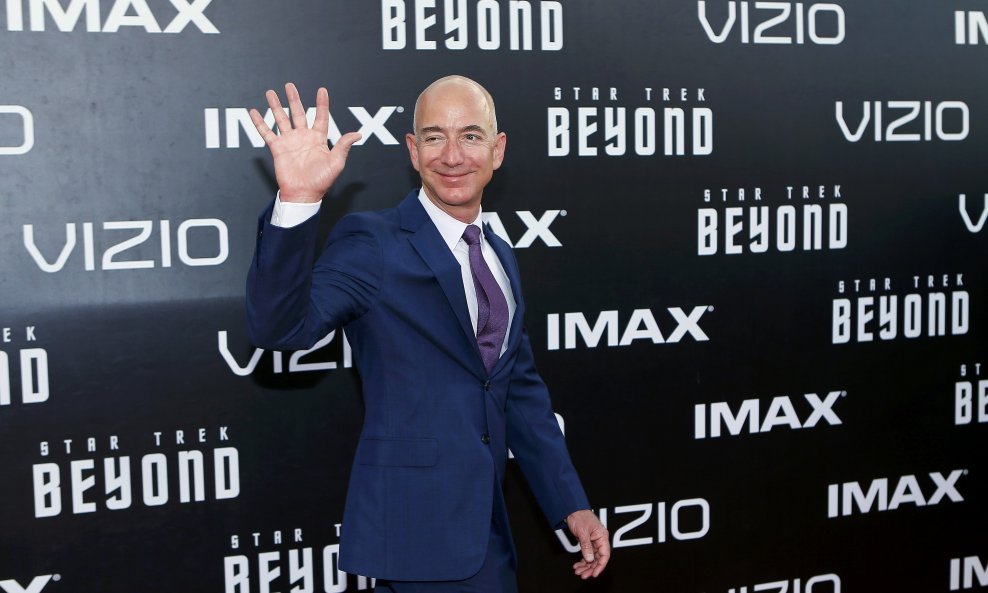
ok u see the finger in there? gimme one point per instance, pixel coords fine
(295, 107)
(345, 143)
(321, 123)
(262, 127)
(276, 109)
(603, 556)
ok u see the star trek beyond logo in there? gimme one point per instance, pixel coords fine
(650, 523)
(288, 559)
(24, 375)
(68, 15)
(971, 395)
(785, 219)
(481, 24)
(925, 306)
(80, 476)
(16, 130)
(606, 121)
(772, 23)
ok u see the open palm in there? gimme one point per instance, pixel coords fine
(304, 165)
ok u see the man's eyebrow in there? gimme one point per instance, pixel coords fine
(470, 128)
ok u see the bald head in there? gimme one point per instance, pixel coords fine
(460, 86)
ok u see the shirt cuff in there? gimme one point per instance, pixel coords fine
(289, 214)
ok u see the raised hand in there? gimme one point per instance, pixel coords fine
(304, 166)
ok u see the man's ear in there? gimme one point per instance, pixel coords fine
(413, 153)
(499, 143)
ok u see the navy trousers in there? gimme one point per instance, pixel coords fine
(497, 575)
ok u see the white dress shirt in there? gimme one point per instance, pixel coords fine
(289, 214)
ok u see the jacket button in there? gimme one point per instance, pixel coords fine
(485, 438)
(487, 385)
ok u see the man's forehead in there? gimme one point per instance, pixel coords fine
(454, 99)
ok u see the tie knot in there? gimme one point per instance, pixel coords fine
(472, 234)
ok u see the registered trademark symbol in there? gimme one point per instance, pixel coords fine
(56, 577)
(562, 213)
(965, 472)
(710, 309)
(400, 109)
(843, 394)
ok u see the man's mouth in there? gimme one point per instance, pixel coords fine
(453, 176)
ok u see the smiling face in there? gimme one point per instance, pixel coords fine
(456, 146)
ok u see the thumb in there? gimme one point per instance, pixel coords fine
(344, 144)
(586, 546)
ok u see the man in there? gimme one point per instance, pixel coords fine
(432, 308)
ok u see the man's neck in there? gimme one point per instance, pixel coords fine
(467, 214)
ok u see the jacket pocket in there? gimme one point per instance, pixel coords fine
(398, 452)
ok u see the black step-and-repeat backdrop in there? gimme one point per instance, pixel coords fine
(752, 237)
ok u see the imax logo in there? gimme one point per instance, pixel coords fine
(535, 228)
(787, 23)
(973, 569)
(780, 412)
(237, 120)
(972, 226)
(26, 131)
(874, 111)
(36, 585)
(970, 27)
(843, 498)
(123, 13)
(640, 326)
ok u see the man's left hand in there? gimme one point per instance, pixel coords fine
(594, 543)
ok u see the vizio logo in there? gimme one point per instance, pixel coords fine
(974, 227)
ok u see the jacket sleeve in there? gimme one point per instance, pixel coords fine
(291, 303)
(537, 442)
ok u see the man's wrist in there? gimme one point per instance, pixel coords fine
(287, 214)
(574, 513)
(299, 198)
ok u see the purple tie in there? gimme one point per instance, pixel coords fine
(492, 308)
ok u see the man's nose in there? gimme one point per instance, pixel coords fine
(452, 154)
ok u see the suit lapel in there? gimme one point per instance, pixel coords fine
(429, 244)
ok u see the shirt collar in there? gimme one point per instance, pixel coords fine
(450, 228)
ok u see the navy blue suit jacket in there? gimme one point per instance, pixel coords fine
(437, 425)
